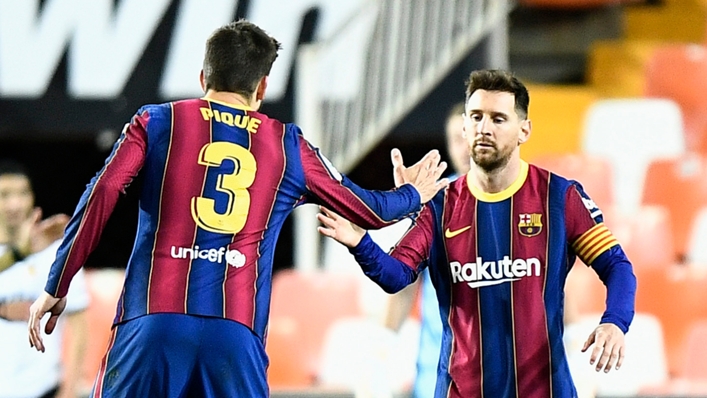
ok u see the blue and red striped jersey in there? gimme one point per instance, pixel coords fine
(499, 263)
(219, 181)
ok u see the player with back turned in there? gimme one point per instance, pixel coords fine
(499, 243)
(219, 179)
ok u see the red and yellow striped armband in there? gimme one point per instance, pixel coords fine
(594, 242)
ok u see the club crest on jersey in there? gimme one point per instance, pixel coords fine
(530, 224)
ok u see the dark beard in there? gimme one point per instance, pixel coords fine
(491, 163)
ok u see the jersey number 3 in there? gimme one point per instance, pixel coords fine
(234, 185)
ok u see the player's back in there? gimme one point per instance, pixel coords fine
(214, 197)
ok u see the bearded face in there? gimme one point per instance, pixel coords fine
(493, 128)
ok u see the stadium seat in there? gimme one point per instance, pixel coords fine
(644, 365)
(631, 133)
(679, 185)
(692, 378)
(304, 305)
(645, 234)
(594, 173)
(695, 367)
(363, 356)
(679, 72)
(677, 299)
(104, 287)
(696, 255)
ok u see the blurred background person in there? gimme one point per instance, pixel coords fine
(28, 248)
(401, 303)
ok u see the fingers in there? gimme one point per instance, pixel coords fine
(622, 355)
(51, 324)
(35, 337)
(588, 343)
(396, 157)
(609, 349)
(36, 215)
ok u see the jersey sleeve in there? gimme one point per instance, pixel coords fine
(586, 231)
(366, 208)
(84, 230)
(392, 272)
(596, 246)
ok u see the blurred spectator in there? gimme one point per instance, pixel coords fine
(400, 304)
(27, 250)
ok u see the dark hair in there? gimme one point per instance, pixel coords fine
(13, 167)
(500, 80)
(237, 56)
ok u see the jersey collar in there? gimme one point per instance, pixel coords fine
(503, 195)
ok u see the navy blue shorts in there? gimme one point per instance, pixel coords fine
(176, 355)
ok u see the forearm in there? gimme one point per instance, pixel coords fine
(15, 311)
(389, 273)
(615, 270)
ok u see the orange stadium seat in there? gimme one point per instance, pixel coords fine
(679, 72)
(612, 129)
(593, 172)
(692, 377)
(678, 299)
(304, 305)
(679, 185)
(104, 287)
(645, 235)
(695, 367)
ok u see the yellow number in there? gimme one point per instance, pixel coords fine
(234, 185)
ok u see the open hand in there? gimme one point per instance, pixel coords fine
(423, 175)
(339, 228)
(45, 303)
(47, 231)
(609, 347)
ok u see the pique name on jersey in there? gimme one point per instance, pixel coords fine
(241, 121)
(234, 258)
(487, 273)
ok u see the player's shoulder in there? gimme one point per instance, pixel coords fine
(155, 110)
(539, 175)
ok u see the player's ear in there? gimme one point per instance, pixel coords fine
(202, 81)
(260, 90)
(524, 133)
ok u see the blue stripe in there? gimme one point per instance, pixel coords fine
(495, 301)
(290, 191)
(206, 278)
(441, 277)
(558, 266)
(159, 138)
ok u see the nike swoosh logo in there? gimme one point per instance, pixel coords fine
(450, 234)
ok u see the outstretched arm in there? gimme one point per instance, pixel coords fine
(389, 273)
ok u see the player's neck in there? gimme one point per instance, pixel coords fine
(497, 180)
(231, 98)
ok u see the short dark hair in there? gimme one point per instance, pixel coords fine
(237, 56)
(13, 167)
(500, 80)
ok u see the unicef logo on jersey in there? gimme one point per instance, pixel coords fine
(486, 273)
(234, 258)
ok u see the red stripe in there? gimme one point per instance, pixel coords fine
(98, 384)
(532, 347)
(465, 364)
(240, 285)
(183, 180)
